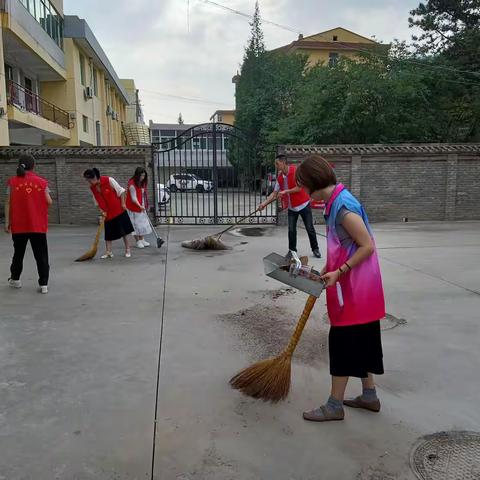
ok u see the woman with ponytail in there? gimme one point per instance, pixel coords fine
(110, 198)
(26, 218)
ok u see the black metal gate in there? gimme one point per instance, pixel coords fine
(210, 174)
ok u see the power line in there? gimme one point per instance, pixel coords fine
(247, 15)
(185, 99)
(368, 52)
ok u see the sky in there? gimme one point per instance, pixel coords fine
(192, 49)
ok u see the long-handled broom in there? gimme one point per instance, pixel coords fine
(93, 250)
(160, 241)
(269, 380)
(213, 242)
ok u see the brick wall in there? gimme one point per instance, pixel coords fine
(421, 182)
(64, 167)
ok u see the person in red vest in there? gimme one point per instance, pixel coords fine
(26, 218)
(297, 201)
(110, 199)
(137, 204)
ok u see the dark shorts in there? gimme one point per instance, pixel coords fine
(118, 227)
(356, 351)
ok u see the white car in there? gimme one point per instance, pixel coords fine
(188, 181)
(163, 194)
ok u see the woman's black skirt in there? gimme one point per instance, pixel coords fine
(118, 227)
(356, 351)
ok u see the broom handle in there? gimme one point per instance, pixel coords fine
(218, 235)
(99, 231)
(300, 325)
(151, 226)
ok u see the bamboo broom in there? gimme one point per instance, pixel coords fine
(213, 242)
(93, 251)
(269, 380)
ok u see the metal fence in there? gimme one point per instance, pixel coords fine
(211, 174)
(25, 99)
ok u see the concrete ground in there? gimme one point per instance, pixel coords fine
(78, 367)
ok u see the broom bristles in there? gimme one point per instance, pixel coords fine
(207, 243)
(268, 380)
(88, 255)
(93, 249)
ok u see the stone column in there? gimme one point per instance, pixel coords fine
(451, 187)
(356, 176)
(63, 189)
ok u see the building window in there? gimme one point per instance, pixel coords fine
(85, 124)
(95, 82)
(98, 130)
(45, 14)
(335, 38)
(167, 139)
(155, 136)
(332, 59)
(82, 70)
(219, 118)
(9, 72)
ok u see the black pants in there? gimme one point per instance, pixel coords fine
(306, 214)
(40, 252)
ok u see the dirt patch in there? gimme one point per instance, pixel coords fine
(251, 231)
(275, 294)
(263, 331)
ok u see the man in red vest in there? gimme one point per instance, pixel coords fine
(26, 218)
(296, 200)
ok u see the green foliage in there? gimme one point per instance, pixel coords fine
(426, 92)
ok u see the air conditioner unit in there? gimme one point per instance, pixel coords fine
(88, 92)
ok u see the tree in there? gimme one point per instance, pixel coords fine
(180, 119)
(249, 90)
(451, 38)
(444, 23)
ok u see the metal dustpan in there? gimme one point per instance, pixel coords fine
(276, 266)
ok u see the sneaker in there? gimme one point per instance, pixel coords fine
(107, 255)
(289, 256)
(140, 244)
(128, 254)
(14, 283)
(145, 243)
(43, 289)
(317, 254)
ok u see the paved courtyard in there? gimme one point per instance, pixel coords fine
(114, 349)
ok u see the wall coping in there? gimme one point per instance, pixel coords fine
(372, 149)
(63, 152)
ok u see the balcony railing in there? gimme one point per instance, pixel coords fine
(29, 101)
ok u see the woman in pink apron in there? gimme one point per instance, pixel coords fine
(354, 289)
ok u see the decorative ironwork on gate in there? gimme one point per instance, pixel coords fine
(210, 174)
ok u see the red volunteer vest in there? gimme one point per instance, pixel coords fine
(28, 205)
(138, 190)
(296, 199)
(107, 198)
